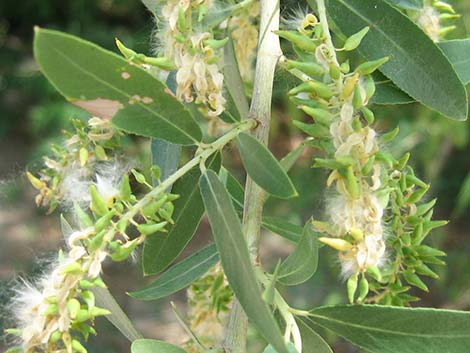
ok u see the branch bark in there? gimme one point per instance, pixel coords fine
(269, 52)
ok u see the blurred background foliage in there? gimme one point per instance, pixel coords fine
(33, 114)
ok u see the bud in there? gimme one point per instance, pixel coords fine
(357, 234)
(336, 243)
(319, 115)
(355, 40)
(335, 71)
(82, 216)
(124, 251)
(100, 153)
(417, 195)
(349, 85)
(446, 30)
(368, 115)
(369, 87)
(310, 68)
(299, 40)
(35, 182)
(357, 98)
(126, 52)
(413, 279)
(216, 43)
(344, 67)
(303, 87)
(151, 209)
(89, 299)
(401, 163)
(426, 271)
(370, 66)
(72, 268)
(363, 289)
(151, 228)
(314, 130)
(56, 336)
(352, 184)
(425, 207)
(77, 347)
(182, 25)
(375, 273)
(390, 136)
(83, 156)
(51, 310)
(138, 176)
(162, 63)
(73, 307)
(443, 6)
(125, 189)
(323, 90)
(352, 286)
(98, 205)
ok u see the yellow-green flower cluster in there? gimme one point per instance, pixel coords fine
(372, 210)
(75, 162)
(432, 16)
(58, 312)
(244, 31)
(195, 51)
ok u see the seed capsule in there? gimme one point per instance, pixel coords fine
(309, 68)
(336, 243)
(301, 41)
(355, 40)
(351, 287)
(363, 289)
(162, 63)
(370, 66)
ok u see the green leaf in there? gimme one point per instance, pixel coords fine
(289, 160)
(235, 258)
(458, 53)
(180, 275)
(166, 155)
(161, 249)
(407, 4)
(417, 66)
(385, 329)
(154, 346)
(105, 300)
(312, 342)
(302, 263)
(387, 93)
(234, 188)
(108, 86)
(233, 81)
(283, 228)
(152, 5)
(263, 167)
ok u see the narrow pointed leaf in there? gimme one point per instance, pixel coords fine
(312, 342)
(234, 188)
(385, 329)
(233, 81)
(263, 167)
(235, 258)
(283, 228)
(166, 155)
(302, 263)
(154, 346)
(105, 300)
(386, 92)
(180, 275)
(417, 66)
(161, 249)
(108, 86)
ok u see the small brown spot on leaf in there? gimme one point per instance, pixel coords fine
(125, 75)
(100, 107)
(147, 100)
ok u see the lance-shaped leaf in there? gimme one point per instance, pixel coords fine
(180, 275)
(234, 188)
(235, 258)
(104, 299)
(385, 329)
(166, 155)
(458, 53)
(263, 167)
(108, 86)
(312, 342)
(302, 263)
(285, 229)
(154, 346)
(417, 66)
(161, 249)
(233, 82)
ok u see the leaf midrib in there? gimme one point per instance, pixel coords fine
(182, 274)
(140, 104)
(412, 59)
(381, 330)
